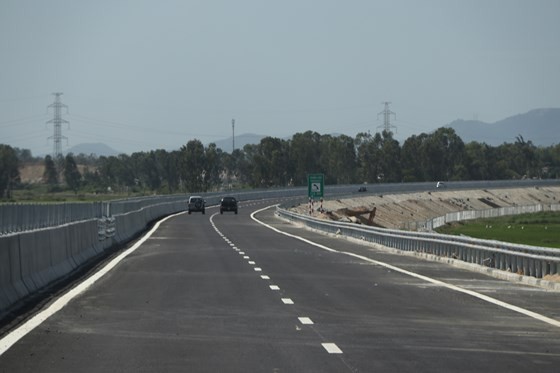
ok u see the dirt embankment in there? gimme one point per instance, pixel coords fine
(396, 210)
(33, 173)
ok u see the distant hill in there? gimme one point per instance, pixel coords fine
(98, 149)
(540, 126)
(240, 141)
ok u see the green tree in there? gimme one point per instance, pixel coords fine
(237, 167)
(411, 162)
(214, 167)
(72, 175)
(50, 175)
(442, 153)
(24, 155)
(338, 154)
(390, 159)
(305, 154)
(270, 162)
(147, 169)
(549, 160)
(170, 168)
(370, 158)
(193, 165)
(9, 170)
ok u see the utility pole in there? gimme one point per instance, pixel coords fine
(387, 118)
(57, 125)
(233, 135)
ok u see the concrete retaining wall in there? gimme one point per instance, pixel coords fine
(32, 260)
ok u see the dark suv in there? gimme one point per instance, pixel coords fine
(196, 203)
(228, 204)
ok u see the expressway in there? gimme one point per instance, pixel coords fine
(252, 293)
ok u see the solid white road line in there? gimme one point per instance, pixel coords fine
(14, 336)
(483, 297)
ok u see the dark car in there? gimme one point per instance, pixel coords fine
(228, 204)
(196, 203)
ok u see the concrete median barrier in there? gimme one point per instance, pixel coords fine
(12, 288)
(31, 260)
(35, 254)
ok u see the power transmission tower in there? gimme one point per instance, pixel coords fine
(233, 135)
(57, 125)
(387, 118)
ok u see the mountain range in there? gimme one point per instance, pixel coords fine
(98, 149)
(540, 126)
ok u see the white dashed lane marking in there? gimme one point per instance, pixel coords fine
(427, 279)
(331, 348)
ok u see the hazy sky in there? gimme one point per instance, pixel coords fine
(145, 75)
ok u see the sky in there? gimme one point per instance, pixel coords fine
(143, 75)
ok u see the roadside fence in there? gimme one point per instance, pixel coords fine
(433, 223)
(520, 259)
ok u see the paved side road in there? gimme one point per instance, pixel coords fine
(213, 293)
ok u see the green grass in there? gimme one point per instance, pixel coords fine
(539, 229)
(41, 194)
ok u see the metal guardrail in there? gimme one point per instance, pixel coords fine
(521, 259)
(20, 217)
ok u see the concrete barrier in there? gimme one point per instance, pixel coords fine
(61, 260)
(12, 287)
(35, 254)
(32, 260)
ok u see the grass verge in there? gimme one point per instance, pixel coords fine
(539, 229)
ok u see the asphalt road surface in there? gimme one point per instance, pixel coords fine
(225, 293)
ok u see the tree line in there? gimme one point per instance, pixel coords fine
(275, 162)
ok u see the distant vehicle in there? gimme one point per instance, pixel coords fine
(440, 184)
(228, 204)
(196, 204)
(362, 189)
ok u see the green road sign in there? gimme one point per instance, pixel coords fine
(315, 185)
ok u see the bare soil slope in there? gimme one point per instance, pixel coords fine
(397, 211)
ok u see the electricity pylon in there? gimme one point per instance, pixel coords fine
(57, 125)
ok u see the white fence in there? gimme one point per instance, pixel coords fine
(433, 223)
